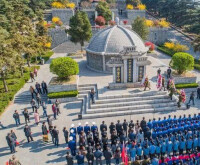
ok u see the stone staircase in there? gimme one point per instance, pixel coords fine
(26, 98)
(127, 104)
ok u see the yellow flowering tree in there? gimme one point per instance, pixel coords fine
(48, 45)
(129, 7)
(149, 23)
(58, 5)
(70, 5)
(141, 7)
(55, 19)
(169, 45)
(163, 23)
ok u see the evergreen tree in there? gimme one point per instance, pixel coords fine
(140, 27)
(103, 10)
(80, 28)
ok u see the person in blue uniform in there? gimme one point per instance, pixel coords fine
(139, 151)
(94, 127)
(146, 151)
(72, 145)
(163, 148)
(182, 145)
(175, 146)
(73, 128)
(79, 128)
(86, 128)
(72, 134)
(152, 150)
(158, 149)
(169, 147)
(189, 144)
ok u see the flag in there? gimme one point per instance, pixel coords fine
(124, 155)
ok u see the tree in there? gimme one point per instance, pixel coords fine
(103, 10)
(140, 27)
(64, 67)
(196, 44)
(100, 21)
(182, 62)
(80, 28)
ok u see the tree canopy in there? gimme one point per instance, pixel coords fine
(140, 27)
(103, 10)
(80, 28)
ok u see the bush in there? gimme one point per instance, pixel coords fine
(152, 46)
(165, 50)
(103, 10)
(64, 67)
(182, 62)
(191, 85)
(63, 94)
(100, 21)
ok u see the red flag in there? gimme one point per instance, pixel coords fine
(124, 155)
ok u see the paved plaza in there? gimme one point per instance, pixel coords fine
(40, 153)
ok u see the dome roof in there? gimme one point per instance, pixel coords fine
(112, 40)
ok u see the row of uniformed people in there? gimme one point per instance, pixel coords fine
(167, 121)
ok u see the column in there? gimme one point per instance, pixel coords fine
(114, 78)
(125, 70)
(135, 70)
(104, 63)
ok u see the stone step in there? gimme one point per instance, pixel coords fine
(82, 95)
(84, 92)
(117, 100)
(133, 107)
(145, 93)
(122, 113)
(86, 85)
(86, 88)
(121, 104)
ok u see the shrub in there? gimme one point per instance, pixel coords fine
(103, 10)
(176, 47)
(55, 19)
(112, 23)
(48, 45)
(100, 21)
(125, 22)
(190, 85)
(182, 62)
(58, 5)
(169, 45)
(163, 23)
(63, 94)
(64, 67)
(152, 46)
(70, 5)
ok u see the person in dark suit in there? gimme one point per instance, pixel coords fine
(56, 138)
(102, 126)
(44, 87)
(38, 87)
(27, 131)
(119, 128)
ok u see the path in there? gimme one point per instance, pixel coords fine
(38, 153)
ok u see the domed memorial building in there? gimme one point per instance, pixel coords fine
(120, 51)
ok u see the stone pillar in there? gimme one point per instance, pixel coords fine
(125, 70)
(95, 15)
(104, 63)
(114, 78)
(135, 70)
(113, 16)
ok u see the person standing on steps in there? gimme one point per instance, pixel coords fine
(33, 105)
(158, 72)
(55, 134)
(72, 145)
(44, 87)
(26, 115)
(14, 161)
(57, 103)
(38, 99)
(36, 117)
(92, 94)
(38, 87)
(32, 76)
(45, 132)
(28, 134)
(54, 111)
(69, 159)
(163, 83)
(146, 84)
(16, 117)
(32, 90)
(198, 93)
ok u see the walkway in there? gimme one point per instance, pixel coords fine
(39, 153)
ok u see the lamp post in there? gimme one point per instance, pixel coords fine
(3, 72)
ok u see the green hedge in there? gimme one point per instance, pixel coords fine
(190, 85)
(14, 83)
(63, 94)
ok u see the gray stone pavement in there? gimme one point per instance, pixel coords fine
(39, 153)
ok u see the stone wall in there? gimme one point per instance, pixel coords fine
(58, 36)
(63, 14)
(108, 69)
(132, 15)
(91, 14)
(184, 80)
(95, 61)
(157, 35)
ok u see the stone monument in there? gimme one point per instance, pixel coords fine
(129, 68)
